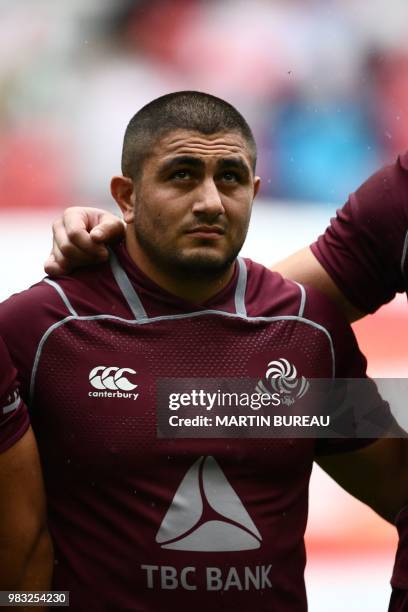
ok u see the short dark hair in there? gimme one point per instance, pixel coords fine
(189, 110)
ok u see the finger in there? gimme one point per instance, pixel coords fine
(72, 231)
(59, 263)
(84, 227)
(71, 236)
(63, 262)
(72, 244)
(61, 238)
(110, 229)
(51, 267)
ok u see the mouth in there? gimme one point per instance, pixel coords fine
(206, 231)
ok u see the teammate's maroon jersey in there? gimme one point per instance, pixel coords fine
(365, 251)
(14, 419)
(365, 248)
(142, 523)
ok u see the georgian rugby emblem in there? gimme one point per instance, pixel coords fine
(281, 377)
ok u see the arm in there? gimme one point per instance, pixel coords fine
(303, 267)
(361, 261)
(79, 238)
(26, 559)
(375, 472)
(376, 475)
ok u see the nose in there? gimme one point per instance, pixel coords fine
(208, 201)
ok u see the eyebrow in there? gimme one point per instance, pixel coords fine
(234, 162)
(181, 160)
(194, 162)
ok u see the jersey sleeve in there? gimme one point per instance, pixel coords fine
(24, 319)
(350, 367)
(364, 249)
(14, 420)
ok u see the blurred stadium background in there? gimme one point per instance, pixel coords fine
(324, 85)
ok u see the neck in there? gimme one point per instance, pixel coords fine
(195, 288)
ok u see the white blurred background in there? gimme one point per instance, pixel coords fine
(324, 85)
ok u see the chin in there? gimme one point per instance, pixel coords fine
(204, 260)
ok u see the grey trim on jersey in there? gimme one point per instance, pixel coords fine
(240, 307)
(62, 295)
(175, 317)
(404, 256)
(13, 406)
(126, 288)
(302, 299)
(39, 349)
(136, 305)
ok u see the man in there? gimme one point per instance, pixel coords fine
(147, 523)
(361, 262)
(26, 560)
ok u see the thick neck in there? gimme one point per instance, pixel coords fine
(194, 289)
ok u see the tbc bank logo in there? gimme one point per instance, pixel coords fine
(103, 377)
(228, 526)
(282, 377)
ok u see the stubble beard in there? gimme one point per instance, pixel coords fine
(198, 264)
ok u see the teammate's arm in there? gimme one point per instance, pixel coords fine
(361, 258)
(26, 558)
(377, 474)
(79, 238)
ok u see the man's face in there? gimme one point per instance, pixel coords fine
(192, 203)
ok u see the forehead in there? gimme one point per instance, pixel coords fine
(209, 147)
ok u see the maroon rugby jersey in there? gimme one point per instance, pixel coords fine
(365, 248)
(365, 251)
(14, 420)
(142, 523)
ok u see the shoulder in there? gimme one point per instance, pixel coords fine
(87, 291)
(91, 291)
(269, 294)
(33, 307)
(24, 318)
(382, 200)
(377, 212)
(364, 249)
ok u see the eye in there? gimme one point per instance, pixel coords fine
(181, 175)
(230, 177)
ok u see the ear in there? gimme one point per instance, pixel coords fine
(257, 184)
(122, 190)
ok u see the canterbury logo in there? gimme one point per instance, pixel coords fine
(206, 515)
(282, 377)
(103, 377)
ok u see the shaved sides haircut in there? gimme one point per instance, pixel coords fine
(181, 110)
